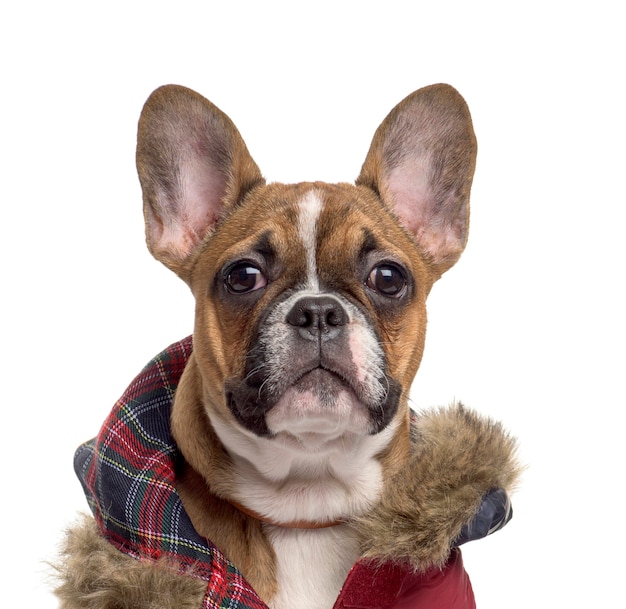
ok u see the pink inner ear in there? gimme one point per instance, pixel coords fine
(410, 193)
(203, 191)
(412, 199)
(191, 217)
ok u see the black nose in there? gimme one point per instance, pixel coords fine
(317, 317)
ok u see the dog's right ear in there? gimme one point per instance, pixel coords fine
(193, 166)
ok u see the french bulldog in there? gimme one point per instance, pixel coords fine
(291, 418)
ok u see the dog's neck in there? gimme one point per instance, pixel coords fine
(281, 482)
(296, 524)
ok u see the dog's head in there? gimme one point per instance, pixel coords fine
(310, 298)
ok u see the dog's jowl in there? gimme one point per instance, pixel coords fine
(291, 471)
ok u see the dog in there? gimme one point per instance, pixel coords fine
(291, 419)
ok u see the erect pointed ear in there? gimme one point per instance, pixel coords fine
(421, 162)
(193, 166)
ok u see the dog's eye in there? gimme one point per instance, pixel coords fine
(244, 278)
(387, 280)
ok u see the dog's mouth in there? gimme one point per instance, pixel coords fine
(322, 381)
(250, 400)
(319, 406)
(321, 394)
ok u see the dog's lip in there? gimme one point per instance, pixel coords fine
(321, 368)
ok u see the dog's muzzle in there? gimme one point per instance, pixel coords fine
(320, 345)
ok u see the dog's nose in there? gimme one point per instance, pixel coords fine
(317, 317)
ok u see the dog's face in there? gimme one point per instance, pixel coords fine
(320, 317)
(310, 298)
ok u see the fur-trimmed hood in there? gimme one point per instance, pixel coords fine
(439, 498)
(143, 541)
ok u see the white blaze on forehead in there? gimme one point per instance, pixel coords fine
(309, 212)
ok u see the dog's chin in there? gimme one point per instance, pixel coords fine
(318, 408)
(319, 403)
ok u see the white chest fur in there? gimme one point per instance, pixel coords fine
(284, 482)
(312, 565)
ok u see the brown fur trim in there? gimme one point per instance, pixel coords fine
(458, 457)
(93, 574)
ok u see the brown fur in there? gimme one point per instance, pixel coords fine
(95, 575)
(238, 536)
(458, 457)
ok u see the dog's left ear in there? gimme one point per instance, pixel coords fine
(193, 166)
(421, 162)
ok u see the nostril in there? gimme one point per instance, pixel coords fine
(299, 316)
(317, 314)
(335, 317)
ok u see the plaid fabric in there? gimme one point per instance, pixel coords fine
(127, 473)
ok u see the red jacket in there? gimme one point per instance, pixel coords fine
(391, 586)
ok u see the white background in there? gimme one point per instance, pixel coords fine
(528, 328)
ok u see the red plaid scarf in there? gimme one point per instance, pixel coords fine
(127, 473)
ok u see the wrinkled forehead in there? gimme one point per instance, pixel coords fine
(310, 225)
(316, 214)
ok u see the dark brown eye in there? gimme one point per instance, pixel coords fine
(388, 280)
(243, 278)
